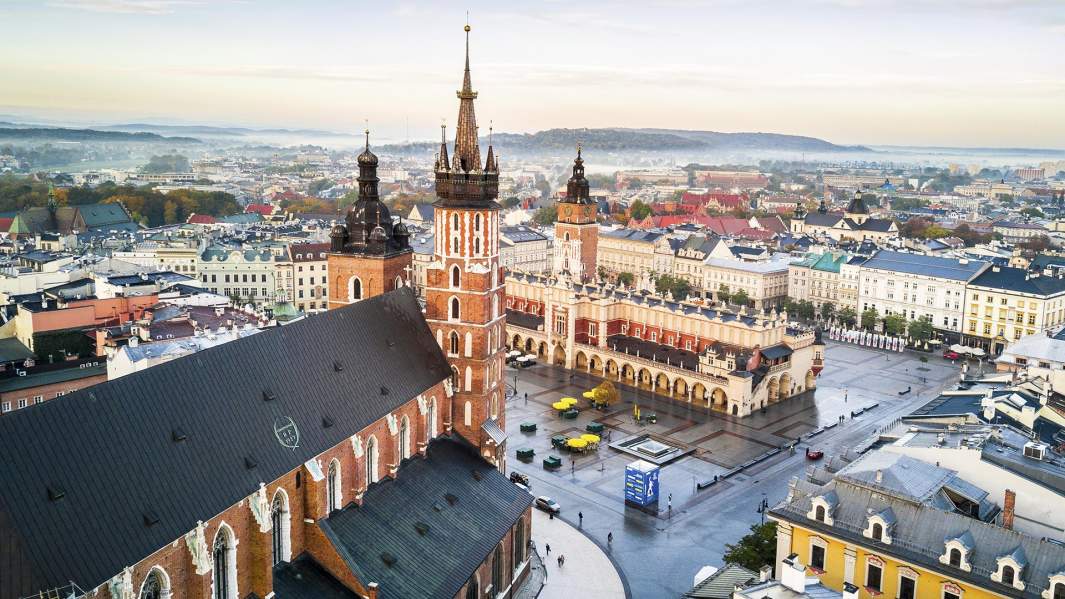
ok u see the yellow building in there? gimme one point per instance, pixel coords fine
(1003, 304)
(890, 526)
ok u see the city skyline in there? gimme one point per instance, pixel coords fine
(849, 71)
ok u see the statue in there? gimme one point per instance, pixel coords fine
(197, 544)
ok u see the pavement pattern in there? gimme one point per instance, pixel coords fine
(658, 554)
(587, 571)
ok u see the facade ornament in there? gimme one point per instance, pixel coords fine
(393, 424)
(356, 445)
(121, 586)
(448, 389)
(423, 406)
(197, 544)
(260, 508)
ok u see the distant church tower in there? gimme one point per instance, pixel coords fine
(576, 230)
(857, 210)
(368, 254)
(464, 283)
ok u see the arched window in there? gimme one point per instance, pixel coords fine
(477, 222)
(156, 585)
(455, 313)
(497, 569)
(454, 223)
(473, 588)
(371, 460)
(456, 276)
(955, 557)
(467, 415)
(453, 340)
(455, 379)
(399, 282)
(819, 513)
(281, 524)
(404, 438)
(469, 378)
(430, 420)
(495, 306)
(878, 532)
(333, 491)
(454, 245)
(477, 246)
(354, 289)
(1007, 575)
(1059, 591)
(495, 405)
(468, 348)
(567, 235)
(519, 544)
(224, 557)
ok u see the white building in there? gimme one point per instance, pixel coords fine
(523, 248)
(256, 276)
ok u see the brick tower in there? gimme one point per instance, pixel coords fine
(368, 254)
(464, 283)
(576, 230)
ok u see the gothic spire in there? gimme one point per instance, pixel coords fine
(490, 164)
(467, 149)
(442, 163)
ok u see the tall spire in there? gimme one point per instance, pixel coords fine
(490, 162)
(467, 149)
(442, 162)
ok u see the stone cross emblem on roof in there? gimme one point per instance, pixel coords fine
(286, 432)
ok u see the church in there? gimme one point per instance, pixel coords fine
(854, 223)
(355, 454)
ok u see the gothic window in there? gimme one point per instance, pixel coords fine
(454, 245)
(333, 497)
(454, 340)
(473, 589)
(495, 306)
(495, 405)
(155, 586)
(399, 282)
(456, 276)
(469, 378)
(497, 569)
(519, 544)
(477, 222)
(567, 235)
(280, 527)
(354, 289)
(467, 415)
(454, 223)
(430, 420)
(469, 344)
(455, 379)
(371, 460)
(404, 438)
(225, 565)
(477, 246)
(454, 312)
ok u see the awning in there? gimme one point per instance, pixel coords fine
(776, 352)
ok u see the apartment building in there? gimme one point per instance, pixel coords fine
(311, 276)
(1004, 304)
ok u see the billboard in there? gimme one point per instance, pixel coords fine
(641, 483)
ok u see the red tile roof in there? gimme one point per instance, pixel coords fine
(201, 219)
(263, 209)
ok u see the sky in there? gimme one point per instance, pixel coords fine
(987, 73)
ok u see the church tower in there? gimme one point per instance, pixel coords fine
(369, 255)
(576, 230)
(857, 210)
(464, 283)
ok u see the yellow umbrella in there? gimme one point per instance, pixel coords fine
(570, 400)
(590, 438)
(560, 405)
(588, 395)
(577, 443)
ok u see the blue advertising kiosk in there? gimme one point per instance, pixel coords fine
(641, 485)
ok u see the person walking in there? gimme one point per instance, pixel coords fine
(561, 560)
(547, 546)
(609, 537)
(526, 398)
(580, 518)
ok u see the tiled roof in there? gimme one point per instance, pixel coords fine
(129, 426)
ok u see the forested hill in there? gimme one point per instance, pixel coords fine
(86, 135)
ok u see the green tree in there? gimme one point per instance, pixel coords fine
(921, 329)
(1032, 212)
(790, 306)
(639, 211)
(847, 316)
(723, 294)
(626, 278)
(546, 216)
(511, 202)
(601, 271)
(740, 298)
(806, 309)
(827, 310)
(680, 289)
(894, 324)
(169, 163)
(754, 550)
(319, 185)
(869, 318)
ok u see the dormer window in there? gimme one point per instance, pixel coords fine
(957, 551)
(819, 513)
(1011, 568)
(955, 557)
(878, 532)
(1056, 590)
(823, 507)
(879, 526)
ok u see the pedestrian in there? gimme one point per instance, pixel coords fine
(550, 515)
(580, 517)
(547, 546)
(526, 398)
(609, 537)
(561, 560)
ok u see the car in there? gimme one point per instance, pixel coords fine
(548, 505)
(814, 454)
(519, 478)
(951, 355)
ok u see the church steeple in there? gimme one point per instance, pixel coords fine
(577, 187)
(467, 148)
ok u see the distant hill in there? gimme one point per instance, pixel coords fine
(210, 131)
(59, 134)
(757, 141)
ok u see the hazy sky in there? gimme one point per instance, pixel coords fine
(933, 72)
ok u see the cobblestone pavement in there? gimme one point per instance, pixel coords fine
(587, 571)
(659, 553)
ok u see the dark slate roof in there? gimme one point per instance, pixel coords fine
(11, 350)
(458, 535)
(776, 351)
(110, 448)
(52, 377)
(918, 264)
(304, 578)
(103, 215)
(882, 225)
(823, 220)
(1019, 280)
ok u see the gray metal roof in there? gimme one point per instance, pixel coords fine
(930, 266)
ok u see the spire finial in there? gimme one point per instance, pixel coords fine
(489, 131)
(366, 123)
(578, 149)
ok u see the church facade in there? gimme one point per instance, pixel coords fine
(352, 454)
(854, 223)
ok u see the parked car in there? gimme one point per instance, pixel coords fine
(951, 355)
(519, 478)
(548, 505)
(814, 454)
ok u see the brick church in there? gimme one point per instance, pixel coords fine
(354, 454)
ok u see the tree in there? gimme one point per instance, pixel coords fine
(806, 309)
(754, 550)
(1033, 212)
(740, 298)
(921, 329)
(511, 202)
(847, 316)
(1038, 243)
(723, 294)
(827, 310)
(546, 216)
(894, 324)
(601, 271)
(790, 306)
(869, 318)
(169, 163)
(319, 185)
(626, 278)
(638, 210)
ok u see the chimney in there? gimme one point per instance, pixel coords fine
(793, 574)
(850, 591)
(879, 476)
(1008, 506)
(765, 573)
(372, 590)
